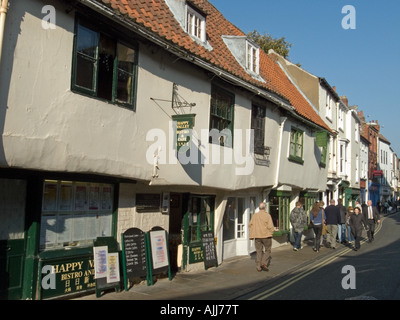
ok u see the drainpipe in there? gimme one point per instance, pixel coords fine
(3, 12)
(283, 120)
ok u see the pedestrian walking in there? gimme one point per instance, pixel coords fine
(261, 230)
(357, 222)
(332, 221)
(317, 218)
(372, 217)
(342, 224)
(298, 219)
(350, 212)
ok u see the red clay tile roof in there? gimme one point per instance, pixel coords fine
(156, 16)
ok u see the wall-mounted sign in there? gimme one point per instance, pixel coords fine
(184, 124)
(377, 173)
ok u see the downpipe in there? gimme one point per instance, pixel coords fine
(3, 13)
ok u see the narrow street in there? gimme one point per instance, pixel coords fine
(375, 268)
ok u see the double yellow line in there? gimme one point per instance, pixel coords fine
(306, 272)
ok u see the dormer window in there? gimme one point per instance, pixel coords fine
(253, 57)
(195, 24)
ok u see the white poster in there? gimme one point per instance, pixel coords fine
(113, 268)
(159, 252)
(100, 262)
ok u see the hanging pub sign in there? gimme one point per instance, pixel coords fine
(377, 173)
(321, 138)
(184, 126)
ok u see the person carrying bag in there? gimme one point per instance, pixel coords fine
(318, 218)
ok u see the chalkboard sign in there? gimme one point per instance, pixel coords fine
(209, 252)
(134, 254)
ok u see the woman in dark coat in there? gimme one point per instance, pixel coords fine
(357, 221)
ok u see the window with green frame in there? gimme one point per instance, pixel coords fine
(258, 125)
(103, 67)
(279, 208)
(221, 116)
(296, 145)
(308, 199)
(200, 217)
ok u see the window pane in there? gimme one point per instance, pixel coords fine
(229, 220)
(124, 87)
(126, 58)
(126, 61)
(87, 41)
(106, 67)
(84, 72)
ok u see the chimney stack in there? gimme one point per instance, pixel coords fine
(345, 100)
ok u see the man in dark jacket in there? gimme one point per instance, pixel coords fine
(357, 222)
(332, 213)
(372, 217)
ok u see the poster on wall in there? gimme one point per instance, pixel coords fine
(80, 198)
(94, 198)
(50, 197)
(159, 251)
(107, 199)
(65, 200)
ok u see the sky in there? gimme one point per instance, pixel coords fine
(362, 62)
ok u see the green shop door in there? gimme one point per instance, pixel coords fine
(12, 243)
(199, 217)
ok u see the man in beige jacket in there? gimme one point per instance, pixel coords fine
(261, 230)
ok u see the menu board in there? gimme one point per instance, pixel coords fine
(134, 253)
(209, 251)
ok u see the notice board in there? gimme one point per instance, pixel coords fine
(134, 258)
(209, 251)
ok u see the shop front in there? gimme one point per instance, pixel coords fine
(49, 223)
(73, 215)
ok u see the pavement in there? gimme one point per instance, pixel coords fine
(232, 279)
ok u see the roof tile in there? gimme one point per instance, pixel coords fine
(156, 16)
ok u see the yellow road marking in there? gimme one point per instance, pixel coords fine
(291, 281)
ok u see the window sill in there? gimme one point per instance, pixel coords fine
(123, 105)
(296, 159)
